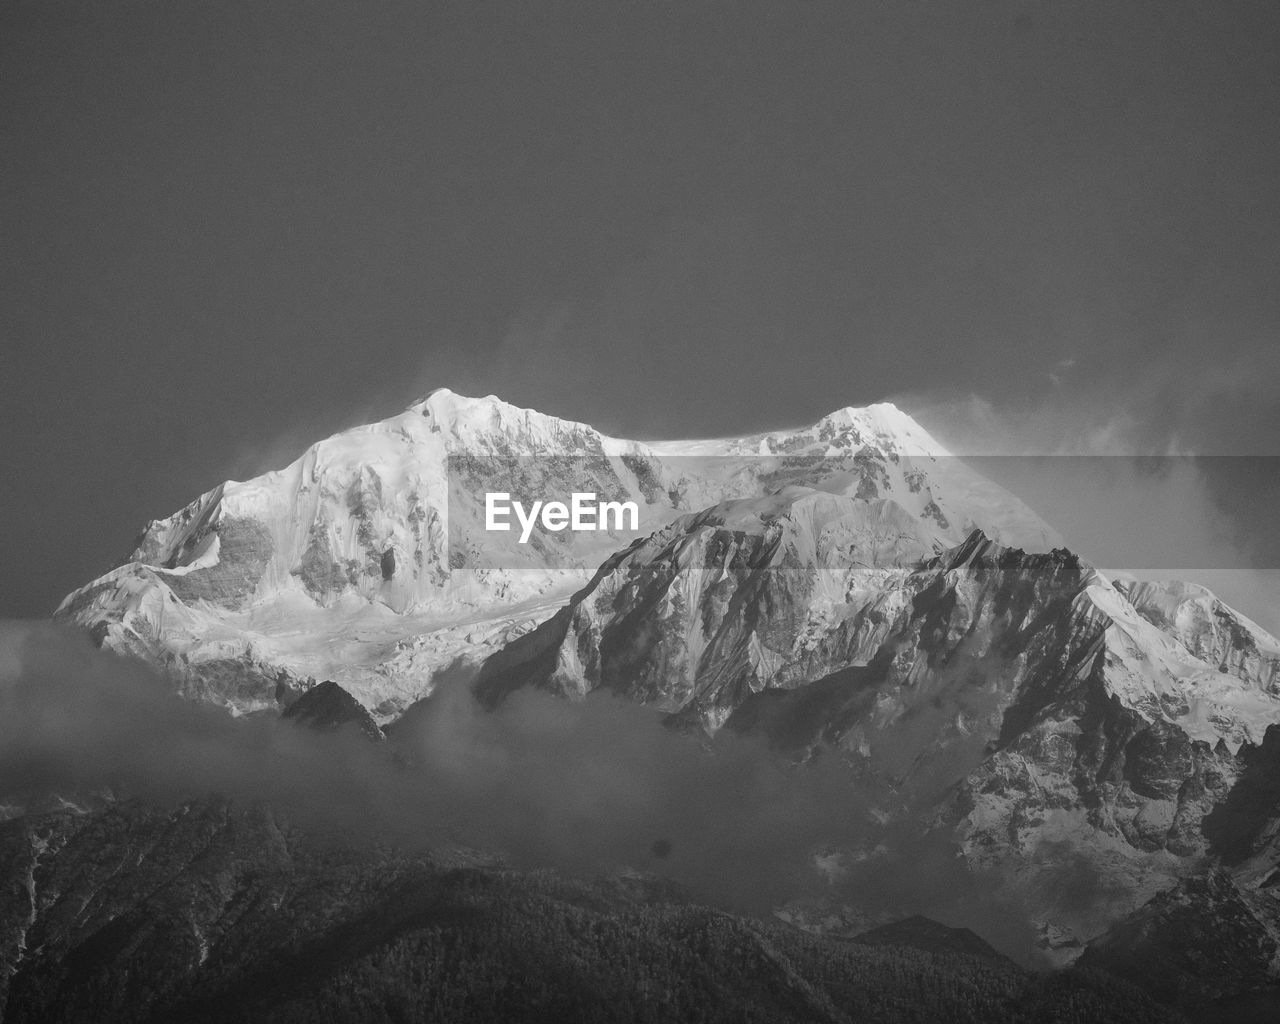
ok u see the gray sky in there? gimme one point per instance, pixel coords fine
(229, 229)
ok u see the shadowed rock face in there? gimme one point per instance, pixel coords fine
(323, 573)
(327, 706)
(245, 549)
(1206, 940)
(930, 936)
(1012, 700)
(1212, 942)
(717, 606)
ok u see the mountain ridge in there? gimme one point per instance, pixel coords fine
(846, 591)
(370, 546)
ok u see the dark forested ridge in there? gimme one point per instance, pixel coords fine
(211, 913)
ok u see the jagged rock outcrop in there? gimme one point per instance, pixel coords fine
(327, 706)
(1209, 944)
(1017, 701)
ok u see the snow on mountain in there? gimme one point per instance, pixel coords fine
(1021, 696)
(366, 560)
(845, 586)
(1208, 629)
(780, 591)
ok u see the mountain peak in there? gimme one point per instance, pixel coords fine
(327, 707)
(461, 415)
(885, 419)
(447, 404)
(373, 543)
(468, 420)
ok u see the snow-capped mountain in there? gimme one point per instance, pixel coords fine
(846, 587)
(366, 560)
(1019, 701)
(779, 592)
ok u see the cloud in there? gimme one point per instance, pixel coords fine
(1135, 474)
(589, 786)
(592, 786)
(1059, 372)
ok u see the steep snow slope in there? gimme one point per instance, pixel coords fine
(1208, 629)
(366, 560)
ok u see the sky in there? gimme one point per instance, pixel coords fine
(228, 230)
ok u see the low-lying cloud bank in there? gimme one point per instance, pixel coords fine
(590, 786)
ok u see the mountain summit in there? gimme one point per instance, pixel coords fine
(366, 560)
(845, 591)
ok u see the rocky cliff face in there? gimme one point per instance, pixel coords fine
(1018, 702)
(1209, 944)
(1214, 938)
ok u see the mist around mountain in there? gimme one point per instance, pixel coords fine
(246, 917)
(605, 868)
(845, 733)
